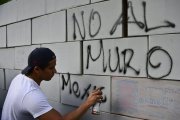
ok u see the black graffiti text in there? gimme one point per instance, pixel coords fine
(120, 68)
(126, 61)
(95, 16)
(74, 88)
(144, 24)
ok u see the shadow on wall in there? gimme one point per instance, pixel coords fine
(0, 112)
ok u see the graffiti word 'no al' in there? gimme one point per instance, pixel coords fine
(95, 14)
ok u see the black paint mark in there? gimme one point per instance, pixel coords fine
(121, 20)
(127, 60)
(75, 89)
(89, 55)
(93, 13)
(152, 50)
(147, 29)
(124, 53)
(86, 92)
(138, 23)
(75, 22)
(127, 63)
(118, 22)
(145, 25)
(118, 61)
(66, 83)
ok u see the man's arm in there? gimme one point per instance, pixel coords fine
(94, 97)
(51, 115)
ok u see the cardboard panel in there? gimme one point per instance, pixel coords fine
(145, 98)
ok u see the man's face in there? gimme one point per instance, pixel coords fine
(48, 72)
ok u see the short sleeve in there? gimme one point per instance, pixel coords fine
(36, 103)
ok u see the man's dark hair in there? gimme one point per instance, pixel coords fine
(39, 57)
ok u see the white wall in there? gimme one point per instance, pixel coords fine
(139, 73)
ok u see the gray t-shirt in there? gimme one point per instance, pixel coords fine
(25, 100)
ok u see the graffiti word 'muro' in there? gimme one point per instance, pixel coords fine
(125, 65)
(119, 67)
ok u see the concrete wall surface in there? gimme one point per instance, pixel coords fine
(139, 71)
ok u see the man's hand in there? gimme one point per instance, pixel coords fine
(95, 96)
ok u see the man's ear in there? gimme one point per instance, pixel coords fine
(37, 69)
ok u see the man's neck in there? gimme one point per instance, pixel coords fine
(35, 78)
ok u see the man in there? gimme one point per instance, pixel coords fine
(26, 101)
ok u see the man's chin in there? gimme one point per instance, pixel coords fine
(47, 79)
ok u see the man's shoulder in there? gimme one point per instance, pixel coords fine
(23, 85)
(17, 77)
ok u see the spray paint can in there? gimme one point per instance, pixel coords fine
(96, 109)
